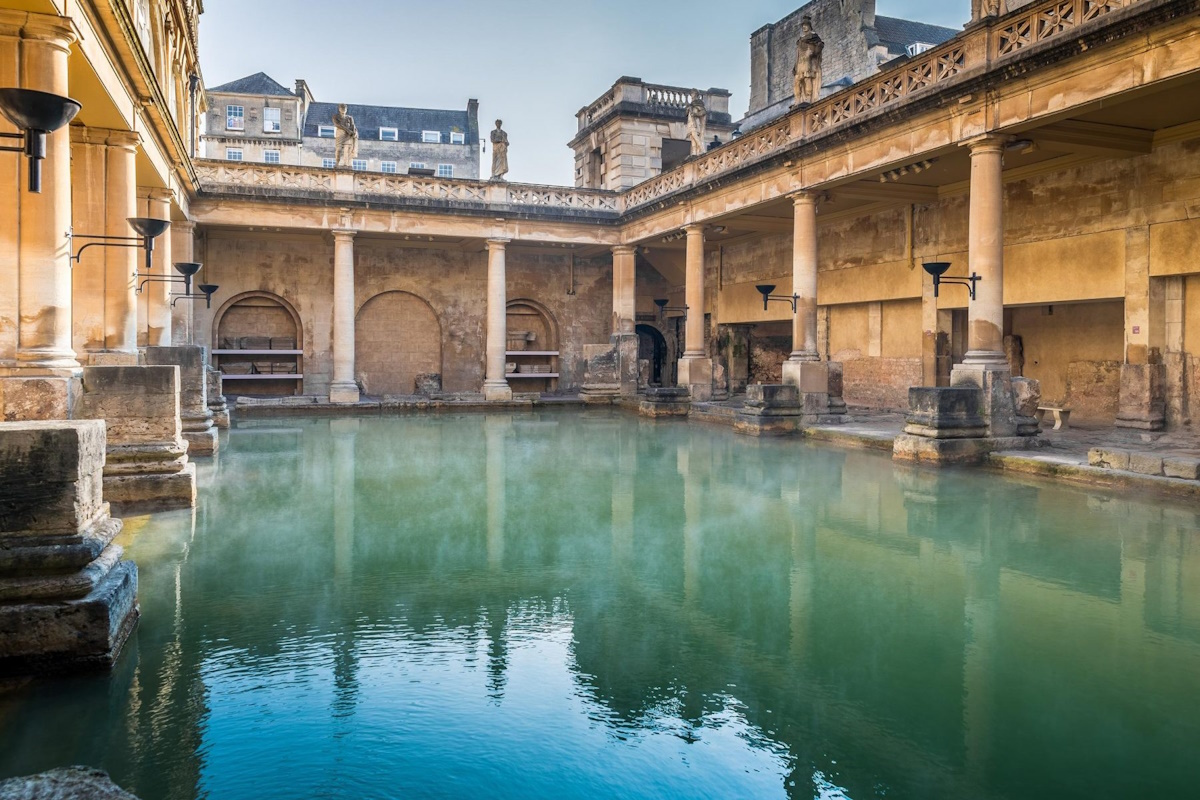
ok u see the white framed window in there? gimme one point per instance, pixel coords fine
(270, 156)
(918, 47)
(431, 137)
(389, 135)
(233, 154)
(458, 137)
(415, 165)
(328, 163)
(235, 118)
(445, 171)
(388, 167)
(325, 131)
(359, 164)
(141, 21)
(272, 120)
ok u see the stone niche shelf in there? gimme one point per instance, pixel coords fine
(525, 358)
(258, 349)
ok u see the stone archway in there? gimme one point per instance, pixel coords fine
(652, 348)
(397, 337)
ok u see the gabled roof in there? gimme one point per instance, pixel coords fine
(897, 34)
(409, 122)
(259, 83)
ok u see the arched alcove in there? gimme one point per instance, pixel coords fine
(258, 345)
(397, 337)
(532, 347)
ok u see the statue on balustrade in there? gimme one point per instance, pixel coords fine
(987, 8)
(346, 137)
(499, 152)
(697, 122)
(806, 87)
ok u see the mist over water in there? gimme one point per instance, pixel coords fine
(589, 605)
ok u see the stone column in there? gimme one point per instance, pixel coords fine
(147, 466)
(986, 365)
(495, 385)
(120, 290)
(344, 389)
(183, 247)
(695, 368)
(819, 382)
(67, 600)
(158, 300)
(38, 369)
(1143, 394)
(624, 289)
(192, 360)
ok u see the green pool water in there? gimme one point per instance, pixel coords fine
(588, 605)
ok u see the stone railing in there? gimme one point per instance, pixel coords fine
(630, 92)
(667, 96)
(237, 177)
(972, 52)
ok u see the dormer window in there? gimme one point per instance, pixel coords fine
(389, 135)
(325, 131)
(917, 48)
(458, 137)
(431, 137)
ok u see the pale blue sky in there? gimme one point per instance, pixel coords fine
(534, 63)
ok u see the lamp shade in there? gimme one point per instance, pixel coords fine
(661, 303)
(936, 268)
(208, 288)
(187, 268)
(31, 110)
(765, 289)
(145, 226)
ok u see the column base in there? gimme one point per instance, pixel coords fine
(947, 452)
(216, 400)
(1143, 399)
(497, 392)
(38, 398)
(202, 443)
(819, 384)
(997, 405)
(344, 393)
(696, 375)
(665, 402)
(147, 491)
(599, 393)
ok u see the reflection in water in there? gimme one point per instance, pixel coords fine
(590, 605)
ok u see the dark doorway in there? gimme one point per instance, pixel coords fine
(652, 348)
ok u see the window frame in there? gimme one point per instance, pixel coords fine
(328, 163)
(395, 134)
(278, 123)
(448, 167)
(354, 164)
(417, 165)
(267, 157)
(230, 117)
(321, 132)
(229, 151)
(395, 167)
(427, 137)
(458, 137)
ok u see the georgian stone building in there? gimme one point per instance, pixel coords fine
(257, 119)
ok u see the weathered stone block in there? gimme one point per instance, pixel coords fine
(51, 476)
(772, 395)
(807, 376)
(67, 783)
(696, 375)
(192, 360)
(1182, 467)
(996, 402)
(37, 398)
(1143, 401)
(1145, 463)
(217, 403)
(1109, 458)
(937, 412)
(665, 402)
(1027, 396)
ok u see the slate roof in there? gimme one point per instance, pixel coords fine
(408, 121)
(258, 83)
(898, 34)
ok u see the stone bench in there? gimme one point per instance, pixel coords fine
(1062, 416)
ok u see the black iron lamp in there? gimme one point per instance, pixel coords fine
(766, 289)
(663, 308)
(186, 269)
(147, 231)
(938, 268)
(207, 290)
(37, 114)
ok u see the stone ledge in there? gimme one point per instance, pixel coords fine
(67, 783)
(1084, 474)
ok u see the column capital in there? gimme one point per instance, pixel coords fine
(988, 143)
(58, 32)
(125, 140)
(185, 226)
(624, 250)
(497, 243)
(343, 234)
(157, 193)
(805, 197)
(694, 229)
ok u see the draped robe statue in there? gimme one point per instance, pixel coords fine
(345, 137)
(499, 152)
(806, 88)
(697, 122)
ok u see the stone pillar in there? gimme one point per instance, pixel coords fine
(1143, 394)
(624, 289)
(104, 197)
(695, 368)
(67, 600)
(495, 385)
(818, 382)
(195, 415)
(183, 247)
(147, 466)
(158, 299)
(217, 403)
(986, 365)
(39, 375)
(344, 389)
